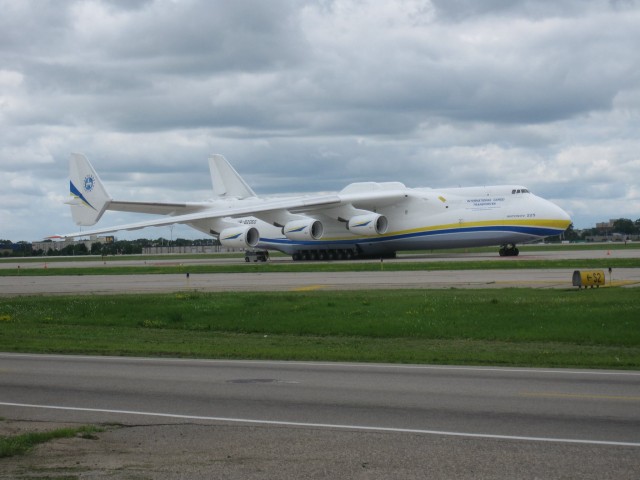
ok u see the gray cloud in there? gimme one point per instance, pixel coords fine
(308, 96)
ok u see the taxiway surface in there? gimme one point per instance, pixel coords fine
(324, 420)
(297, 281)
(292, 281)
(173, 260)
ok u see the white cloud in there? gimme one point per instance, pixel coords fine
(311, 96)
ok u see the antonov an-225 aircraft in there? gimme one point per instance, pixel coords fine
(366, 219)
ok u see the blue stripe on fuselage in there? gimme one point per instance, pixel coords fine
(536, 231)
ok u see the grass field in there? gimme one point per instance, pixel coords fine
(569, 328)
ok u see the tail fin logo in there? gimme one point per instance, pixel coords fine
(89, 183)
(77, 194)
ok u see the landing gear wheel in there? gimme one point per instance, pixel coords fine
(508, 250)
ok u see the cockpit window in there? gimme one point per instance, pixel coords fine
(519, 190)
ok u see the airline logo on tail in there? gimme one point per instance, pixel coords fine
(89, 182)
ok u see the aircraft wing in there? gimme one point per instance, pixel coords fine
(156, 208)
(318, 205)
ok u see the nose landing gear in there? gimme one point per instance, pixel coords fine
(509, 250)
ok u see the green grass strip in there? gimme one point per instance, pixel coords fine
(21, 444)
(596, 328)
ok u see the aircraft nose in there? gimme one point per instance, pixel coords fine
(559, 215)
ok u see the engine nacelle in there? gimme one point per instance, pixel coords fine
(306, 229)
(372, 224)
(239, 237)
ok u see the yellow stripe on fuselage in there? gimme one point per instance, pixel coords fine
(559, 225)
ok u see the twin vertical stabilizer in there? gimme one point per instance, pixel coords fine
(226, 181)
(89, 199)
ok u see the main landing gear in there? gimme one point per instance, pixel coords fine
(509, 250)
(333, 254)
(256, 255)
(337, 254)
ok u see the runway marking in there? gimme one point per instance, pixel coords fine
(582, 396)
(308, 288)
(329, 425)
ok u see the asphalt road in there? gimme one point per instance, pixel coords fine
(387, 420)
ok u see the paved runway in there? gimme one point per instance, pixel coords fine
(132, 260)
(299, 281)
(484, 422)
(253, 281)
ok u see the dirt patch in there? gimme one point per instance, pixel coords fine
(186, 451)
(210, 450)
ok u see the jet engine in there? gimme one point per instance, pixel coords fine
(306, 229)
(239, 237)
(370, 224)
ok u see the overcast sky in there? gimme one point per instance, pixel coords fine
(310, 96)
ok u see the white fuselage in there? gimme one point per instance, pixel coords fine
(429, 219)
(363, 219)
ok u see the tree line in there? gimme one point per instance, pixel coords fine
(118, 247)
(620, 226)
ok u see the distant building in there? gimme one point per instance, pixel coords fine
(162, 250)
(58, 245)
(605, 225)
(605, 233)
